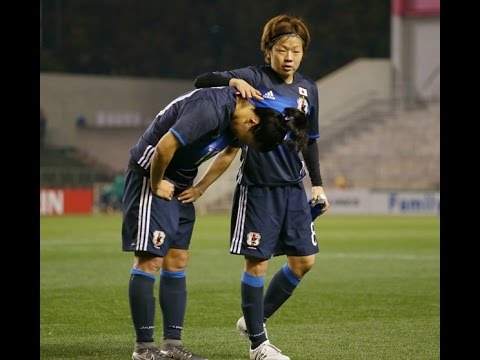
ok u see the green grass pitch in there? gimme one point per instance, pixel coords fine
(374, 292)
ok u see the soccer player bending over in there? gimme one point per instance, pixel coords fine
(158, 210)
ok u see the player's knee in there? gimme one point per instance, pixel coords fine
(176, 260)
(300, 265)
(308, 266)
(149, 264)
(255, 266)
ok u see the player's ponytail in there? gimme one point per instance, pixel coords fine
(297, 126)
(276, 127)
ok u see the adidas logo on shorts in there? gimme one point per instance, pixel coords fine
(269, 95)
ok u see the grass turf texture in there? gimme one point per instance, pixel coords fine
(374, 292)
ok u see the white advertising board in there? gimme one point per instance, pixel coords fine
(363, 201)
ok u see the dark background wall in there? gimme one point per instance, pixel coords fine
(184, 38)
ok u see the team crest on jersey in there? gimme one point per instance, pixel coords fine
(302, 91)
(158, 238)
(253, 239)
(302, 104)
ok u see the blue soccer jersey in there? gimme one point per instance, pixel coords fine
(280, 166)
(200, 120)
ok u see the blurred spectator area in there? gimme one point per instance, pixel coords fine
(68, 167)
(385, 147)
(109, 146)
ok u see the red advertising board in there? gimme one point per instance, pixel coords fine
(416, 7)
(66, 201)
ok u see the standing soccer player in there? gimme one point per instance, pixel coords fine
(271, 215)
(158, 211)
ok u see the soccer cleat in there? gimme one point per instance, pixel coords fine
(267, 351)
(180, 352)
(149, 354)
(242, 328)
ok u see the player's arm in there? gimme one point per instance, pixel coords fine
(211, 79)
(164, 151)
(310, 155)
(218, 166)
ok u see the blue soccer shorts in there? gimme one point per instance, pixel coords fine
(270, 221)
(153, 224)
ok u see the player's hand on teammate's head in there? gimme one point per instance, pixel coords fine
(246, 90)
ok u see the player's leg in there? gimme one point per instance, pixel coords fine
(173, 286)
(281, 287)
(142, 305)
(285, 281)
(173, 293)
(138, 237)
(252, 285)
(299, 243)
(256, 219)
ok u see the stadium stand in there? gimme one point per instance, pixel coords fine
(108, 146)
(399, 149)
(68, 167)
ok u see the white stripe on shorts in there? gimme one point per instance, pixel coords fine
(144, 216)
(240, 223)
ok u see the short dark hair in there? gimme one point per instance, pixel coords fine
(279, 26)
(275, 127)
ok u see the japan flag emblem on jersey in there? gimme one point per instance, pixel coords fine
(302, 91)
(158, 238)
(253, 239)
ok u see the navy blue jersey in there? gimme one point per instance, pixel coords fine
(200, 120)
(280, 166)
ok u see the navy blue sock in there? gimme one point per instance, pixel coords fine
(252, 307)
(173, 302)
(279, 290)
(142, 304)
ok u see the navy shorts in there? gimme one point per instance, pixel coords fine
(272, 220)
(153, 224)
